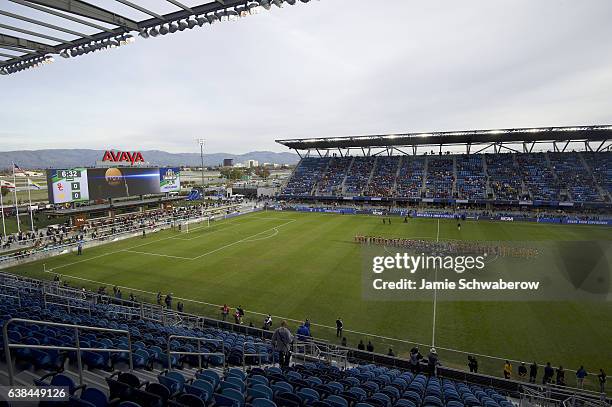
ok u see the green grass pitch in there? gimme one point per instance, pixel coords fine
(305, 265)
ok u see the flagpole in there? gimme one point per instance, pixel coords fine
(15, 195)
(2, 209)
(30, 207)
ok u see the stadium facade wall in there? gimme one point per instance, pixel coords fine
(567, 220)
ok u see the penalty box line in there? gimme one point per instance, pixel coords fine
(129, 248)
(246, 239)
(242, 240)
(110, 253)
(219, 227)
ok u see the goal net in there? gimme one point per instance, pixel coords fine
(190, 225)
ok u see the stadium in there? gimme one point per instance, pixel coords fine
(456, 268)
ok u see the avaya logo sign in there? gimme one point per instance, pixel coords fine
(123, 157)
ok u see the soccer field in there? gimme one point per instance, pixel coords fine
(306, 265)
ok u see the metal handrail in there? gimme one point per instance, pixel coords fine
(85, 305)
(341, 356)
(78, 349)
(244, 355)
(199, 353)
(16, 295)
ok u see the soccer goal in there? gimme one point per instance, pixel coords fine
(190, 225)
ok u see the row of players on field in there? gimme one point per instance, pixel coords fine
(454, 246)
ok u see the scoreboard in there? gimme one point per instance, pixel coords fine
(68, 185)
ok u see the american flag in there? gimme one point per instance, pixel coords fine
(17, 170)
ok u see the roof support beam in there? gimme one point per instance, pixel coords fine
(87, 10)
(18, 44)
(32, 33)
(62, 15)
(141, 9)
(565, 146)
(16, 49)
(601, 145)
(43, 24)
(9, 56)
(181, 5)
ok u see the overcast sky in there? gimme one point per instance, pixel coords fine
(326, 68)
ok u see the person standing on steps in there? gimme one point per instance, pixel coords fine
(281, 342)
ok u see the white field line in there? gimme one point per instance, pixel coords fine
(129, 248)
(241, 240)
(158, 254)
(435, 299)
(269, 217)
(265, 237)
(234, 224)
(218, 229)
(109, 253)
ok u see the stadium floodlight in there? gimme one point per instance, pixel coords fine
(254, 7)
(243, 11)
(212, 18)
(143, 33)
(64, 53)
(232, 15)
(222, 15)
(265, 4)
(291, 2)
(27, 64)
(153, 32)
(278, 3)
(125, 39)
(173, 27)
(163, 30)
(201, 20)
(191, 23)
(182, 25)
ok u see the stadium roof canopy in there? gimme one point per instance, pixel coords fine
(32, 31)
(498, 139)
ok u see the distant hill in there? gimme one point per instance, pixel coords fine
(62, 158)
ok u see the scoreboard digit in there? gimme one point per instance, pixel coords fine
(69, 175)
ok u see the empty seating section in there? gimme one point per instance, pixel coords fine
(320, 385)
(600, 165)
(383, 178)
(538, 177)
(410, 178)
(306, 175)
(331, 181)
(358, 175)
(471, 178)
(504, 177)
(440, 178)
(547, 177)
(149, 339)
(308, 384)
(574, 177)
